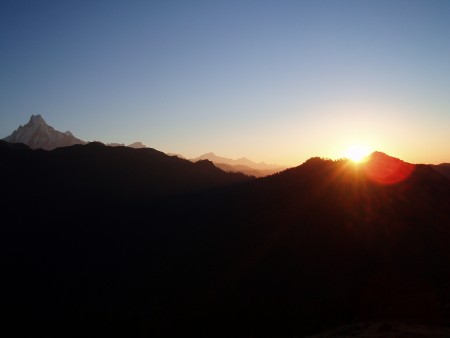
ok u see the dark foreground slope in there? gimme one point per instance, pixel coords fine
(329, 242)
(86, 235)
(128, 246)
(443, 169)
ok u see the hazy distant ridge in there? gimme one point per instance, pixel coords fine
(243, 165)
(241, 161)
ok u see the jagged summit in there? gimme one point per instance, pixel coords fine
(37, 119)
(37, 134)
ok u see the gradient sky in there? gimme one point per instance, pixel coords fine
(275, 81)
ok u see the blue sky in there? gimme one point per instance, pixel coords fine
(278, 81)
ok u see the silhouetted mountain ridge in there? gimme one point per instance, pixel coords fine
(134, 242)
(443, 169)
(95, 169)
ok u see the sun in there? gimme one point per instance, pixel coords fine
(357, 153)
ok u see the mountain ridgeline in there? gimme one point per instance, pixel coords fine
(132, 242)
(37, 134)
(102, 173)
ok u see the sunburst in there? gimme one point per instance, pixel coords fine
(357, 153)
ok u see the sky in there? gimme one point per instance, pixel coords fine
(276, 81)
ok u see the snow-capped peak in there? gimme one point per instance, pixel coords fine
(38, 134)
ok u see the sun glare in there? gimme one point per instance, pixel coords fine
(357, 153)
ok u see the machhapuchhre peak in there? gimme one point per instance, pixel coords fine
(37, 134)
(121, 241)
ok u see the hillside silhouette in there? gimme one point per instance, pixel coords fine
(443, 169)
(119, 241)
(96, 170)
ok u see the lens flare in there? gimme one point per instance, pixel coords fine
(387, 170)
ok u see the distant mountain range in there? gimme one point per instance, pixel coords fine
(242, 165)
(241, 161)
